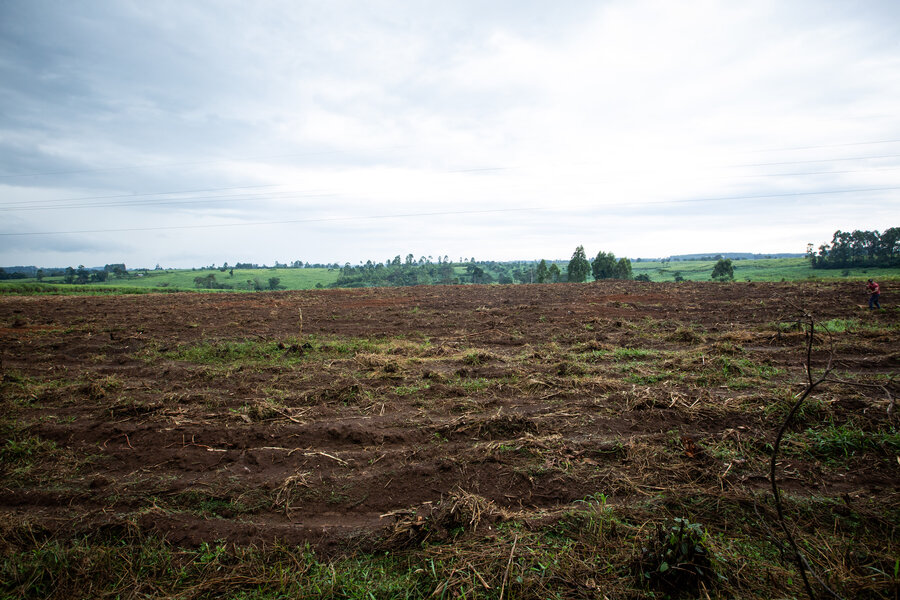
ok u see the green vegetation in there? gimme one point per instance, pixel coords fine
(174, 280)
(579, 267)
(723, 270)
(260, 352)
(836, 442)
(427, 273)
(858, 249)
(764, 269)
(605, 266)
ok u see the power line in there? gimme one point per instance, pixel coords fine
(134, 195)
(29, 205)
(797, 174)
(346, 152)
(188, 163)
(789, 149)
(286, 222)
(442, 213)
(177, 201)
(818, 160)
(779, 195)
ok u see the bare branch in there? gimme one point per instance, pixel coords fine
(802, 564)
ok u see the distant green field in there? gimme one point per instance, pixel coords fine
(183, 279)
(764, 269)
(772, 269)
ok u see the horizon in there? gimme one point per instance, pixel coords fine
(268, 265)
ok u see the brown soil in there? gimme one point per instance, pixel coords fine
(512, 393)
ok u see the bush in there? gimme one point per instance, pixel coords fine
(676, 558)
(723, 271)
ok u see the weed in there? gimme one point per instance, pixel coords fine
(835, 442)
(408, 390)
(632, 353)
(24, 451)
(676, 558)
(474, 359)
(641, 379)
(474, 385)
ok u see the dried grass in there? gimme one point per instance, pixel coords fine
(450, 517)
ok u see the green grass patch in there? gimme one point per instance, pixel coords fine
(856, 325)
(223, 352)
(764, 269)
(632, 353)
(50, 289)
(275, 352)
(846, 440)
(25, 450)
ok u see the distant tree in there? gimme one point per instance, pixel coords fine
(554, 273)
(99, 276)
(39, 275)
(723, 270)
(890, 244)
(604, 266)
(81, 275)
(69, 277)
(623, 269)
(477, 274)
(642, 277)
(579, 267)
(678, 276)
(274, 282)
(542, 274)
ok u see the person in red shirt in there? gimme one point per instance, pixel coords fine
(874, 292)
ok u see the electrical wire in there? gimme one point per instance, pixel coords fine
(441, 213)
(284, 222)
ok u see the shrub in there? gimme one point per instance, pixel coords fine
(676, 558)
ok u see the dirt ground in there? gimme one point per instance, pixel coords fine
(215, 417)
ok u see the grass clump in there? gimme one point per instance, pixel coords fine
(846, 440)
(227, 351)
(24, 451)
(632, 353)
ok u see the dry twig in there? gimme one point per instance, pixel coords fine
(802, 564)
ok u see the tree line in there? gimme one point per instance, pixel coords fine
(858, 249)
(604, 266)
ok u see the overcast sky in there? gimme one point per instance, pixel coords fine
(193, 132)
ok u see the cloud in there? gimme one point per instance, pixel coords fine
(646, 128)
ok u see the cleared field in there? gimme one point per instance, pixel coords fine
(533, 441)
(764, 269)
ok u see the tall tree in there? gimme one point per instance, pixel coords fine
(890, 243)
(542, 273)
(579, 267)
(623, 269)
(604, 266)
(554, 273)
